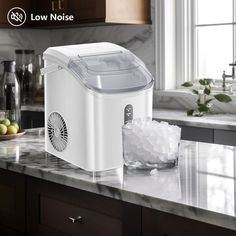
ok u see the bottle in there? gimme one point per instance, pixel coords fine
(2, 95)
(27, 82)
(20, 67)
(11, 92)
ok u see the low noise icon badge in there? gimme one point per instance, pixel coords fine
(16, 16)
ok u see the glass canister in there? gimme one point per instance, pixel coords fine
(27, 82)
(150, 144)
(11, 90)
(38, 83)
(20, 67)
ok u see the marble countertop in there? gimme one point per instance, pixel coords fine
(202, 187)
(179, 117)
(39, 108)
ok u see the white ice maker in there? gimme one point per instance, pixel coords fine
(91, 90)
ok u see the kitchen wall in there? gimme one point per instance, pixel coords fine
(185, 100)
(140, 39)
(11, 39)
(137, 38)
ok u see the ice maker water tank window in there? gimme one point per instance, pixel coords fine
(111, 73)
(109, 62)
(128, 113)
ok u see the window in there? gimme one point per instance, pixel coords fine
(195, 39)
(214, 37)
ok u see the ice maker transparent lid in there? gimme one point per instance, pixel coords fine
(113, 72)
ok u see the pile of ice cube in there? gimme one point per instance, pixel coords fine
(148, 143)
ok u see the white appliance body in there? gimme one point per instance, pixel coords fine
(93, 120)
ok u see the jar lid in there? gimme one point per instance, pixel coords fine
(9, 66)
(29, 51)
(19, 51)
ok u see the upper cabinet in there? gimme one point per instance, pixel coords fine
(53, 13)
(128, 12)
(5, 7)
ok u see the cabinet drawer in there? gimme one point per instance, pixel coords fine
(156, 223)
(50, 205)
(225, 137)
(12, 201)
(55, 214)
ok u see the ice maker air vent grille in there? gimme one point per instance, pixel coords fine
(57, 131)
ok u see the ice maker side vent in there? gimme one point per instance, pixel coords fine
(57, 131)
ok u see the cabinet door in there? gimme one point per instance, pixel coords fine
(85, 11)
(32, 119)
(225, 137)
(58, 210)
(12, 202)
(5, 6)
(45, 8)
(131, 12)
(156, 223)
(197, 134)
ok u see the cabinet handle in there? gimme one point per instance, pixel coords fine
(53, 5)
(75, 220)
(59, 5)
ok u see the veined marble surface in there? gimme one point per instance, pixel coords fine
(202, 187)
(183, 99)
(179, 117)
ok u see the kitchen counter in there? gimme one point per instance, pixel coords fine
(202, 187)
(38, 108)
(179, 117)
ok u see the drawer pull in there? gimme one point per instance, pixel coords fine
(75, 220)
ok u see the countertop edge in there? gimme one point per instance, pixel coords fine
(178, 209)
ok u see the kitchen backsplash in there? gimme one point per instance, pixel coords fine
(140, 39)
(11, 39)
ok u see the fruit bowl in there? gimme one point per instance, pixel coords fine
(12, 136)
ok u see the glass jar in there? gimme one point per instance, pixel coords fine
(20, 67)
(150, 144)
(2, 95)
(27, 82)
(11, 91)
(38, 83)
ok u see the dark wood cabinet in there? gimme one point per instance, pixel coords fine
(197, 134)
(34, 207)
(12, 203)
(226, 137)
(156, 223)
(208, 135)
(32, 119)
(54, 209)
(5, 6)
(83, 11)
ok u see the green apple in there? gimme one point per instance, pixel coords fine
(11, 129)
(5, 122)
(3, 129)
(16, 125)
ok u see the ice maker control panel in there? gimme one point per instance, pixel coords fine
(128, 112)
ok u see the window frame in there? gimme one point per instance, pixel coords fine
(176, 29)
(174, 44)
